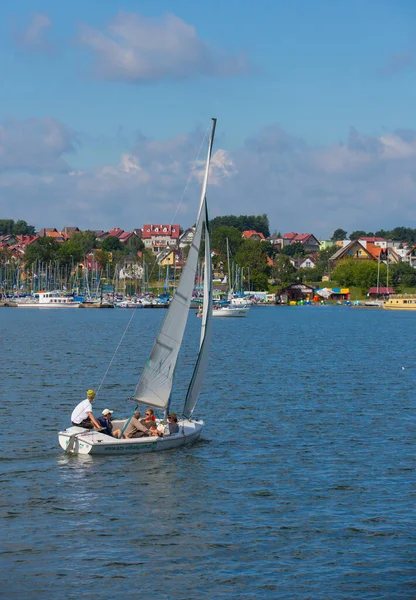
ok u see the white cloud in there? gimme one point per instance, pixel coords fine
(35, 36)
(35, 145)
(365, 183)
(138, 49)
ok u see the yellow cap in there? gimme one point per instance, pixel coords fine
(91, 393)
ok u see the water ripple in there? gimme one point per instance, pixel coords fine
(303, 486)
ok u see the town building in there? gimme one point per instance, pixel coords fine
(309, 242)
(157, 237)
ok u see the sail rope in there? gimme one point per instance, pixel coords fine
(115, 351)
(196, 161)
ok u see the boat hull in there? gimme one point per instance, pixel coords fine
(238, 311)
(400, 302)
(36, 305)
(76, 440)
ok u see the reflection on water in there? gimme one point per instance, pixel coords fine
(303, 486)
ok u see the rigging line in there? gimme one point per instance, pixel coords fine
(115, 351)
(191, 173)
(186, 186)
(185, 189)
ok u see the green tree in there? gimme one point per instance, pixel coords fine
(322, 264)
(6, 226)
(344, 273)
(283, 272)
(296, 250)
(219, 240)
(103, 258)
(259, 282)
(70, 253)
(44, 249)
(84, 241)
(339, 234)
(22, 228)
(259, 223)
(403, 234)
(356, 235)
(402, 274)
(252, 254)
(111, 243)
(366, 274)
(148, 260)
(135, 244)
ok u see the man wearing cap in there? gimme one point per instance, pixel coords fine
(106, 424)
(82, 414)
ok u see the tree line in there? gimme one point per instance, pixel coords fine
(398, 234)
(9, 226)
(259, 223)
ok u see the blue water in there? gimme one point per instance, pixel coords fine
(302, 488)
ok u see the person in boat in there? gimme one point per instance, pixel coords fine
(173, 426)
(136, 428)
(149, 418)
(82, 414)
(106, 424)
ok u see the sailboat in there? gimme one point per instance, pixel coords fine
(154, 388)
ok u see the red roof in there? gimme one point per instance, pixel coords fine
(171, 231)
(301, 237)
(125, 236)
(373, 249)
(251, 233)
(381, 290)
(25, 240)
(297, 237)
(116, 232)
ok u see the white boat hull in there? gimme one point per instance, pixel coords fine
(231, 311)
(84, 441)
(37, 305)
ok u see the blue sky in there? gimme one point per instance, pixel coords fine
(105, 104)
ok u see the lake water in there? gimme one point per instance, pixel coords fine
(302, 488)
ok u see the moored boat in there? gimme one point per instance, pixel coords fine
(230, 311)
(400, 302)
(49, 300)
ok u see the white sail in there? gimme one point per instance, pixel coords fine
(202, 362)
(155, 385)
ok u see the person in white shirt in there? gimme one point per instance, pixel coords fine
(82, 414)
